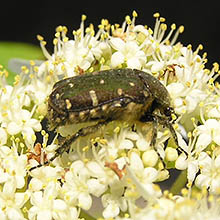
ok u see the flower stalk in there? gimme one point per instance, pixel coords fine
(179, 183)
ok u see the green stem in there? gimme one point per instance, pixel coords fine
(85, 216)
(179, 183)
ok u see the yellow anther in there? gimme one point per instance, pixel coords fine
(83, 18)
(126, 215)
(55, 41)
(156, 15)
(128, 19)
(74, 32)
(104, 22)
(188, 84)
(65, 29)
(117, 129)
(57, 34)
(134, 14)
(163, 27)
(101, 26)
(150, 31)
(85, 160)
(22, 145)
(65, 39)
(175, 126)
(216, 67)
(198, 59)
(32, 63)
(162, 19)
(33, 137)
(173, 26)
(189, 184)
(91, 69)
(201, 104)
(102, 60)
(31, 76)
(43, 132)
(189, 47)
(184, 192)
(59, 28)
(193, 119)
(200, 47)
(211, 80)
(189, 134)
(181, 29)
(40, 38)
(86, 148)
(103, 141)
(17, 140)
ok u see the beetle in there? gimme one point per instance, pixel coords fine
(108, 95)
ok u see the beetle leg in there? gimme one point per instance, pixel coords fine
(167, 124)
(69, 140)
(154, 132)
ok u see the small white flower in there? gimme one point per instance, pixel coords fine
(207, 133)
(142, 177)
(75, 188)
(43, 176)
(210, 173)
(13, 166)
(22, 121)
(124, 140)
(11, 202)
(76, 54)
(47, 206)
(189, 161)
(112, 205)
(126, 52)
(103, 177)
(38, 91)
(150, 158)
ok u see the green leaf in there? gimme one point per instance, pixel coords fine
(9, 50)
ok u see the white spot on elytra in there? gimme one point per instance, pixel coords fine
(68, 104)
(93, 97)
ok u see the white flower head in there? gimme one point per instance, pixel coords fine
(115, 164)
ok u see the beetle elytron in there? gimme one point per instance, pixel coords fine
(105, 96)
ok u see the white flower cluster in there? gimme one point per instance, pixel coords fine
(112, 174)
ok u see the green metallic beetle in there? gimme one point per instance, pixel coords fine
(105, 96)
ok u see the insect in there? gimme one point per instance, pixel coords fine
(105, 96)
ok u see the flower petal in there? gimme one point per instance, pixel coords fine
(117, 43)
(13, 128)
(117, 59)
(85, 201)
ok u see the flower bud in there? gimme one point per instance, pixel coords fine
(171, 154)
(150, 158)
